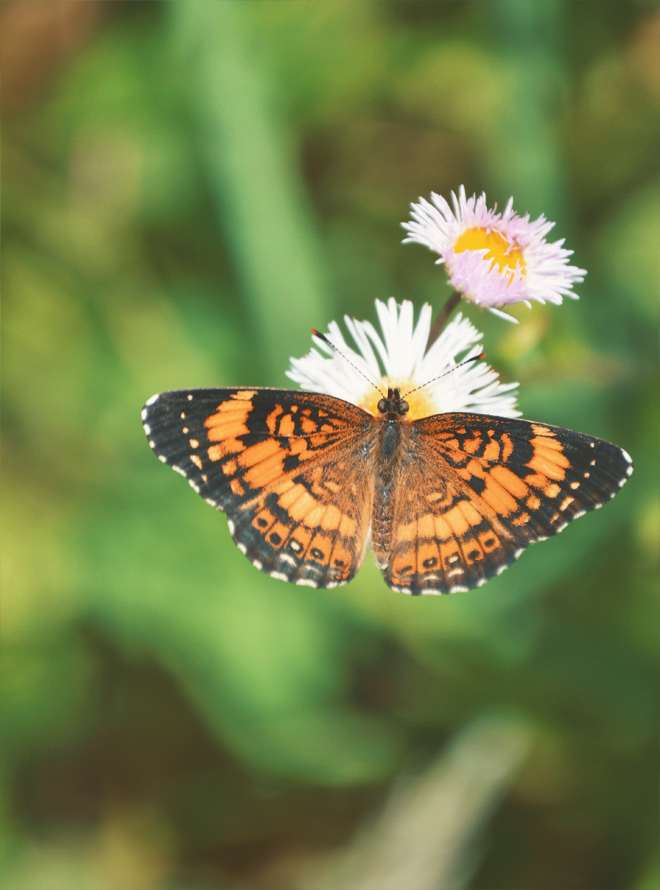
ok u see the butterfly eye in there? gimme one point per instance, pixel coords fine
(382, 406)
(404, 407)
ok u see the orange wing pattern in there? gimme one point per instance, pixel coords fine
(449, 500)
(479, 489)
(282, 465)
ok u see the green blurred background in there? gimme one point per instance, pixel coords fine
(188, 187)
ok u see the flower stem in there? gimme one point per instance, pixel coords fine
(442, 318)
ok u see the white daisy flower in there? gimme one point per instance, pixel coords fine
(494, 258)
(399, 358)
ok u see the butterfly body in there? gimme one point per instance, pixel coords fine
(447, 501)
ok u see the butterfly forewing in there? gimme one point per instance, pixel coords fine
(490, 487)
(281, 464)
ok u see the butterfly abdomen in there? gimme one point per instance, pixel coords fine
(390, 452)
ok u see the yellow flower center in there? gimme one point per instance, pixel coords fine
(504, 254)
(420, 403)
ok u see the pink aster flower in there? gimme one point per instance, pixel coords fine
(491, 258)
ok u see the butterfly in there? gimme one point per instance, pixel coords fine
(308, 480)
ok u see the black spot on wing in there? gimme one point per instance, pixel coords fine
(476, 484)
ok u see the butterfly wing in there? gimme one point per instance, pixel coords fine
(286, 466)
(481, 489)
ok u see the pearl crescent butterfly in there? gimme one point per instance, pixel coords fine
(308, 480)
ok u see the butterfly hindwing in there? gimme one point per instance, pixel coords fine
(279, 463)
(443, 542)
(310, 527)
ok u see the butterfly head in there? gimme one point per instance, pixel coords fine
(393, 406)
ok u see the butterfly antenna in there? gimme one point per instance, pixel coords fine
(316, 333)
(475, 358)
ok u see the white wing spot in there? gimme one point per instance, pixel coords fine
(278, 575)
(286, 558)
(257, 564)
(627, 456)
(242, 548)
(592, 445)
(153, 399)
(179, 471)
(305, 582)
(147, 429)
(160, 456)
(189, 397)
(143, 414)
(230, 526)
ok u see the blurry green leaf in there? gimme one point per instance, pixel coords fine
(45, 693)
(424, 837)
(500, 97)
(256, 185)
(261, 659)
(628, 247)
(650, 879)
(328, 59)
(128, 851)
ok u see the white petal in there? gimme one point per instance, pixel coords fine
(402, 352)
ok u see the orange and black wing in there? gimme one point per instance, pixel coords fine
(289, 468)
(480, 489)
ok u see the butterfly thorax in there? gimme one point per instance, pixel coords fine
(390, 422)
